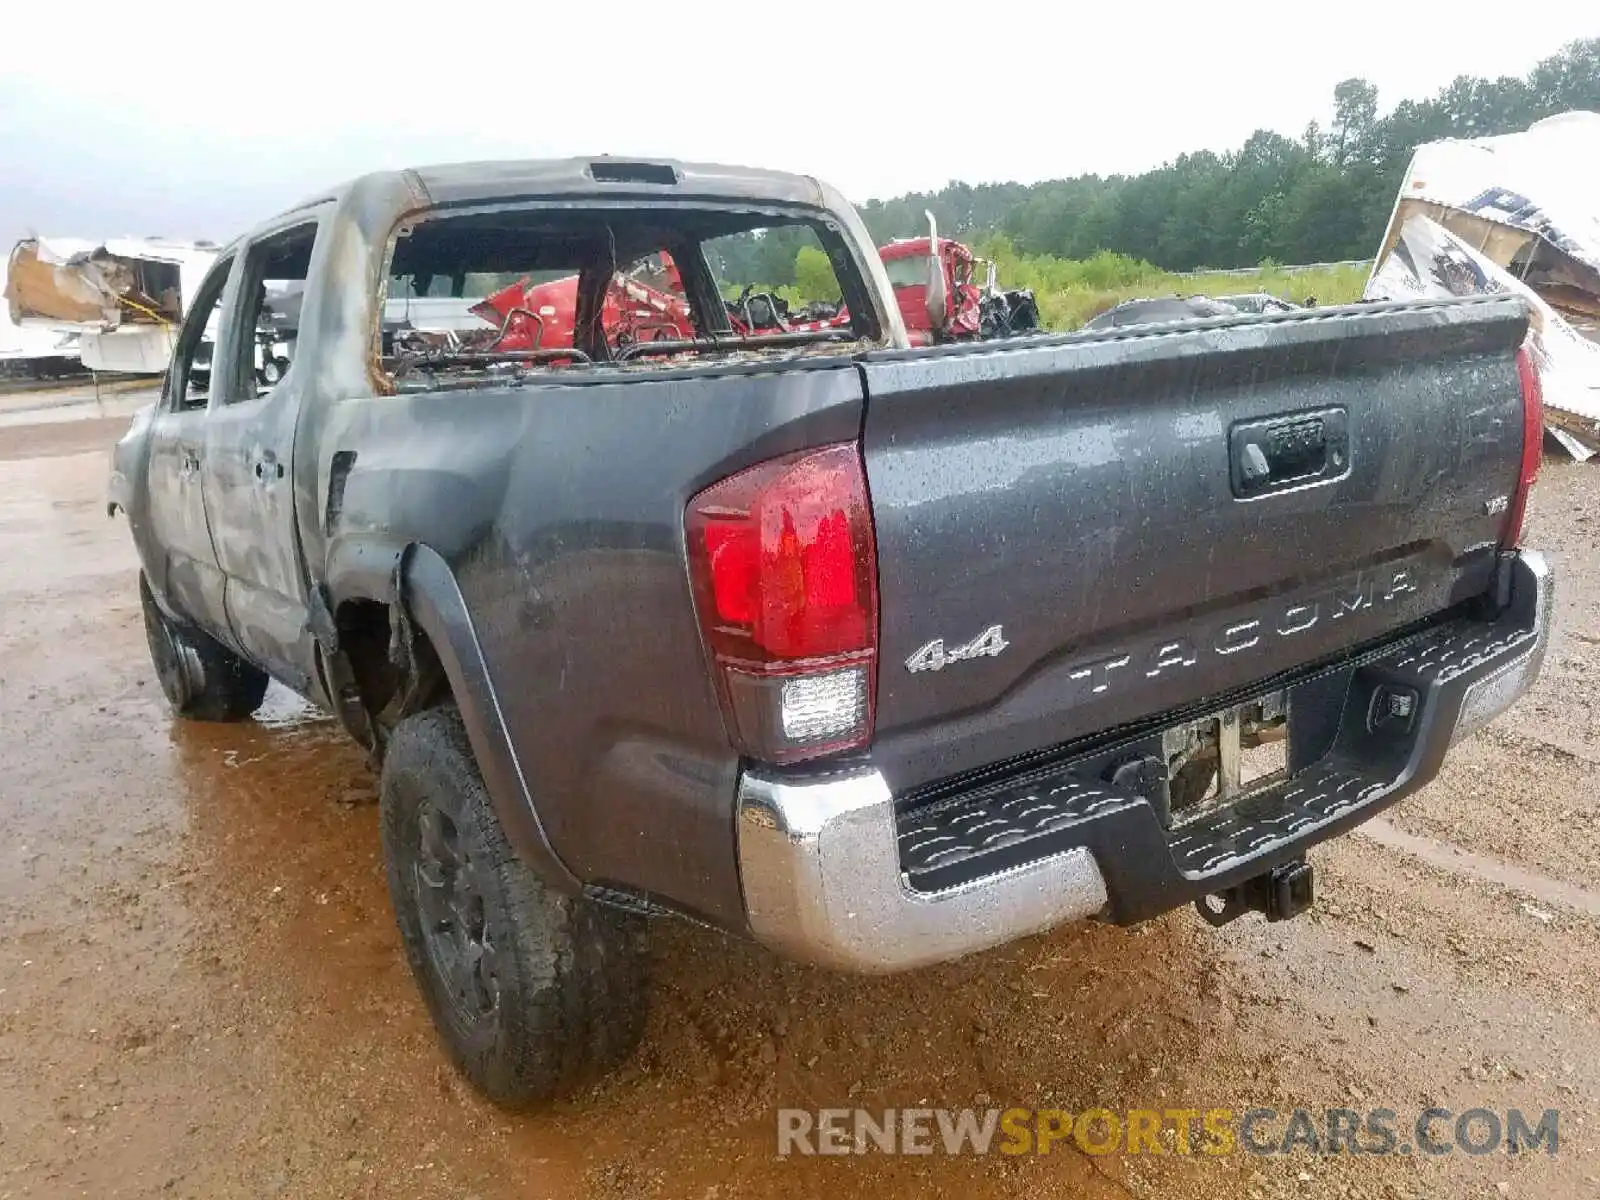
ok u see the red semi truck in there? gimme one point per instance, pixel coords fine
(934, 285)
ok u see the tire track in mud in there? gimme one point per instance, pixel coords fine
(1481, 867)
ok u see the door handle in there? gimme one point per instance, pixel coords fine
(1288, 451)
(268, 469)
(188, 463)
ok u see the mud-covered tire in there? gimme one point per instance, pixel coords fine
(533, 992)
(202, 679)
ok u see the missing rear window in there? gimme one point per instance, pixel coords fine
(496, 294)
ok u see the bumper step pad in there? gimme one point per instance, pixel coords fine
(1451, 652)
(960, 840)
(944, 838)
(1257, 824)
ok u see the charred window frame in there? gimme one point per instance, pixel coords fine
(208, 302)
(852, 275)
(866, 321)
(280, 254)
(700, 287)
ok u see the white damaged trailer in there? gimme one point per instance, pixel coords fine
(1517, 213)
(35, 353)
(124, 298)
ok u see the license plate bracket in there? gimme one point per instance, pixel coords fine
(1216, 760)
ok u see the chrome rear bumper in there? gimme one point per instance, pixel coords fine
(822, 882)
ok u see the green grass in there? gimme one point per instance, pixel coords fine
(1070, 308)
(1068, 303)
(1071, 291)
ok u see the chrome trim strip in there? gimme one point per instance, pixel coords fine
(820, 867)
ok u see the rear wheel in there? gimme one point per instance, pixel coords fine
(532, 992)
(201, 678)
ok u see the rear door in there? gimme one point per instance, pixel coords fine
(1106, 527)
(190, 577)
(248, 453)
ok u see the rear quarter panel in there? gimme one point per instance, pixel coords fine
(559, 507)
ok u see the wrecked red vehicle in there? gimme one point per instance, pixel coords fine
(932, 279)
(646, 304)
(635, 308)
(938, 300)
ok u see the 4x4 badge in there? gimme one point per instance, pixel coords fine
(934, 657)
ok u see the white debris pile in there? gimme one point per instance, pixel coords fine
(1518, 213)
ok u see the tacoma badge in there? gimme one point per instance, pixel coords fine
(934, 657)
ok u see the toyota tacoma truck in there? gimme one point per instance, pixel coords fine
(878, 655)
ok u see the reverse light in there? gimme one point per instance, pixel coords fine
(824, 706)
(783, 561)
(1532, 448)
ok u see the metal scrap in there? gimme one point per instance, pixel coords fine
(1518, 213)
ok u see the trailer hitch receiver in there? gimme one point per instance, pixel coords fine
(1283, 892)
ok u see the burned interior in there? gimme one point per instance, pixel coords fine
(492, 294)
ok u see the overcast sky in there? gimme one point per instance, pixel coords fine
(189, 120)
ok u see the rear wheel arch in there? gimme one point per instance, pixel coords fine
(376, 666)
(391, 662)
(410, 645)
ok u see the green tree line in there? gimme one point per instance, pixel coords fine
(1321, 198)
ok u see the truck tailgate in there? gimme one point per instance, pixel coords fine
(1093, 529)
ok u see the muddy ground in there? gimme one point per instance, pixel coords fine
(202, 993)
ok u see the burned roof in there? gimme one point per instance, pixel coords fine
(488, 182)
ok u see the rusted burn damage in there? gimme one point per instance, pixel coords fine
(386, 670)
(495, 294)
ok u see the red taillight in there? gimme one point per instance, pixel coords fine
(783, 561)
(1532, 448)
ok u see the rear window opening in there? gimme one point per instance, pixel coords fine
(494, 295)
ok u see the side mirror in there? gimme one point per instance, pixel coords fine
(938, 300)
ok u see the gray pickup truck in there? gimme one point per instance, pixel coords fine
(877, 655)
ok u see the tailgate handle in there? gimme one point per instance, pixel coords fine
(1292, 450)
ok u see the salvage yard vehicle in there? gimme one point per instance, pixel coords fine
(938, 300)
(645, 303)
(1178, 308)
(878, 655)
